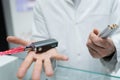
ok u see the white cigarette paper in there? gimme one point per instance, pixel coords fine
(109, 31)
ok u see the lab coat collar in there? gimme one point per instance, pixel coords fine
(70, 1)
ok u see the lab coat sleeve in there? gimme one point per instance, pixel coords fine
(39, 29)
(112, 63)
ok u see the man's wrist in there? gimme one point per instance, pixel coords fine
(108, 58)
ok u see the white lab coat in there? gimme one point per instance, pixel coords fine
(70, 25)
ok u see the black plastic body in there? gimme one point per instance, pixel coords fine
(45, 45)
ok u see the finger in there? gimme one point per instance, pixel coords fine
(48, 67)
(16, 40)
(101, 42)
(54, 54)
(97, 40)
(37, 70)
(96, 31)
(60, 57)
(94, 46)
(25, 65)
(99, 50)
(92, 49)
(93, 53)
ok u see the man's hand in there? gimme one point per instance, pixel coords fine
(99, 47)
(43, 59)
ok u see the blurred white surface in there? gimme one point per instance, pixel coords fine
(8, 67)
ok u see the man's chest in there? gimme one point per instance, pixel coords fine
(61, 11)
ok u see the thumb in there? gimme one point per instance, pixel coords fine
(16, 40)
(96, 31)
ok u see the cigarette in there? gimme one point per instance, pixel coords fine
(108, 31)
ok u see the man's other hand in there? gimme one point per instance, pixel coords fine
(99, 47)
